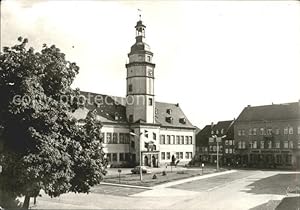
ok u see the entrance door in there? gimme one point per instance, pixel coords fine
(146, 161)
(153, 161)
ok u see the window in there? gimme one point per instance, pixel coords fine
(226, 150)
(211, 148)
(168, 139)
(230, 150)
(177, 139)
(291, 130)
(162, 139)
(114, 157)
(131, 118)
(177, 155)
(250, 131)
(277, 144)
(217, 132)
(239, 132)
(254, 144)
(212, 132)
(173, 139)
(186, 140)
(243, 132)
(298, 129)
(169, 111)
(254, 132)
(148, 58)
(108, 156)
(108, 138)
(250, 144)
(270, 144)
(181, 155)
(277, 131)
(130, 88)
(190, 155)
(214, 148)
(127, 156)
(124, 138)
(190, 140)
(122, 156)
(168, 155)
(285, 144)
(230, 142)
(240, 145)
(262, 144)
(262, 131)
(186, 155)
(154, 136)
(285, 131)
(291, 145)
(222, 131)
(182, 139)
(163, 156)
(150, 101)
(244, 145)
(269, 131)
(115, 138)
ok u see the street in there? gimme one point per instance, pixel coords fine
(236, 189)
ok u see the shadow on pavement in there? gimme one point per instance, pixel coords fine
(289, 203)
(277, 184)
(270, 205)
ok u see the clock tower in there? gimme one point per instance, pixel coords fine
(140, 105)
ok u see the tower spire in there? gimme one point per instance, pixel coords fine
(140, 14)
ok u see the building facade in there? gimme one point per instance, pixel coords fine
(216, 140)
(269, 136)
(137, 129)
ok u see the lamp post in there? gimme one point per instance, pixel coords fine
(140, 138)
(217, 140)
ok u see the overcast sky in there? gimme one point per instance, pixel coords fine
(213, 58)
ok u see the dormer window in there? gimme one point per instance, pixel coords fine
(217, 132)
(169, 111)
(169, 119)
(182, 120)
(222, 131)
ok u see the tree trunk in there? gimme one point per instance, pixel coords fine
(26, 202)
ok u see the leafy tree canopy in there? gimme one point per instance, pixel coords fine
(41, 145)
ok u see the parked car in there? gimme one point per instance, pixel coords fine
(145, 169)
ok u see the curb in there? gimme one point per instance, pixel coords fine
(126, 185)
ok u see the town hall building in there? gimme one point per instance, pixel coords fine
(137, 129)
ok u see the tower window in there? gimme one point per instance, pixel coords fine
(131, 118)
(130, 88)
(148, 58)
(150, 102)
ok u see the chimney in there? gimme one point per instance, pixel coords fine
(178, 104)
(249, 106)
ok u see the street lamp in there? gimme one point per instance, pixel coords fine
(133, 134)
(217, 140)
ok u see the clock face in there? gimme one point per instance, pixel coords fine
(150, 72)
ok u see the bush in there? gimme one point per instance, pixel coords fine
(180, 172)
(154, 176)
(164, 173)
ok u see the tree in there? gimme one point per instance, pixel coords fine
(41, 145)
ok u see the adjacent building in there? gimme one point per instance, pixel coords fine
(216, 140)
(137, 128)
(269, 136)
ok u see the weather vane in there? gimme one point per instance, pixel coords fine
(140, 13)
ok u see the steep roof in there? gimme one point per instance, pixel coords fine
(203, 135)
(286, 111)
(176, 113)
(112, 109)
(222, 125)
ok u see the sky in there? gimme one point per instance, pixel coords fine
(212, 57)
